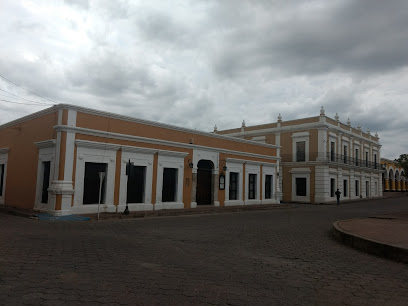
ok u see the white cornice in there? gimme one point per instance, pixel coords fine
(172, 153)
(46, 144)
(156, 141)
(249, 162)
(161, 125)
(138, 150)
(4, 150)
(297, 127)
(31, 116)
(96, 145)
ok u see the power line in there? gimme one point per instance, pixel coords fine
(19, 97)
(36, 104)
(27, 89)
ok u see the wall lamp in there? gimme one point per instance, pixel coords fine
(190, 164)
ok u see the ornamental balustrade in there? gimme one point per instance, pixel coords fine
(332, 158)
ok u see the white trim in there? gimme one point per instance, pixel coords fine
(142, 150)
(160, 141)
(3, 160)
(236, 167)
(94, 155)
(46, 144)
(296, 175)
(138, 159)
(175, 162)
(300, 137)
(253, 169)
(269, 171)
(45, 154)
(96, 145)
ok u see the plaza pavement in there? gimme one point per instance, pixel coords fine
(276, 256)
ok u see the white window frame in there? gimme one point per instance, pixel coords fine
(170, 159)
(298, 137)
(46, 153)
(237, 167)
(252, 168)
(300, 173)
(269, 170)
(139, 157)
(3, 160)
(95, 152)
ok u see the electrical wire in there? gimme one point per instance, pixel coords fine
(20, 97)
(27, 90)
(23, 103)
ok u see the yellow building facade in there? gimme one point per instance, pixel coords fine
(320, 155)
(68, 159)
(394, 177)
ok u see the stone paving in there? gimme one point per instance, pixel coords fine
(282, 256)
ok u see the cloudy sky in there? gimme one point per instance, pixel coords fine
(199, 63)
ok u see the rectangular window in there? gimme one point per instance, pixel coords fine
(332, 187)
(375, 161)
(268, 186)
(366, 158)
(367, 189)
(233, 187)
(169, 191)
(301, 151)
(301, 186)
(46, 166)
(357, 189)
(345, 185)
(345, 154)
(357, 157)
(136, 185)
(1, 179)
(91, 183)
(332, 151)
(252, 186)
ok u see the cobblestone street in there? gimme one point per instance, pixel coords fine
(278, 256)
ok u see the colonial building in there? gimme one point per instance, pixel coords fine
(393, 176)
(320, 155)
(67, 159)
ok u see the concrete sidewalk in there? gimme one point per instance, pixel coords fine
(384, 235)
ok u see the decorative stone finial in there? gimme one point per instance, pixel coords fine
(348, 122)
(359, 127)
(337, 117)
(368, 131)
(243, 123)
(280, 117)
(322, 111)
(215, 128)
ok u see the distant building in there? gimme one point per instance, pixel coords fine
(394, 176)
(320, 155)
(51, 160)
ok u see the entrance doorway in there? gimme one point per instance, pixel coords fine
(204, 191)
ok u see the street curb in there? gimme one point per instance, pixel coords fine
(371, 246)
(18, 213)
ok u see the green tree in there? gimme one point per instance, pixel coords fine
(402, 161)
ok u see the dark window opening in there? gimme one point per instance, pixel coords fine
(46, 166)
(345, 154)
(233, 187)
(91, 183)
(357, 188)
(332, 151)
(375, 161)
(332, 187)
(345, 183)
(366, 158)
(1, 179)
(136, 185)
(169, 191)
(301, 186)
(300, 151)
(367, 189)
(357, 157)
(252, 186)
(268, 186)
